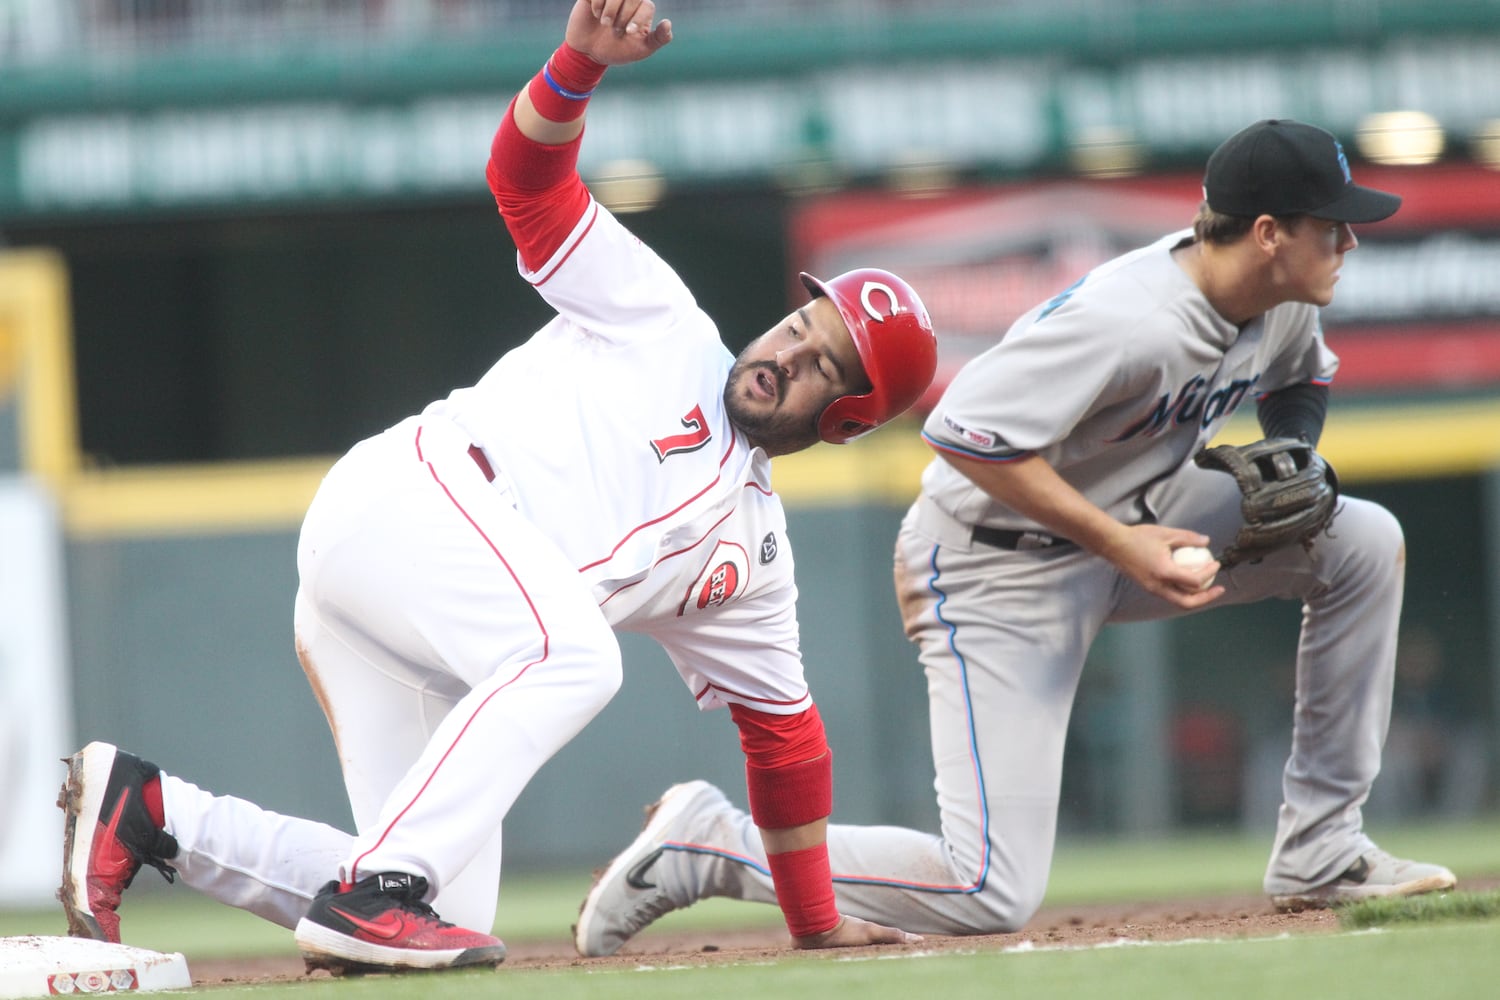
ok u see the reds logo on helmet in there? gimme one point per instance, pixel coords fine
(893, 303)
(722, 578)
(893, 334)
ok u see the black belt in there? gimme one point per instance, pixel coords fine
(482, 462)
(1002, 538)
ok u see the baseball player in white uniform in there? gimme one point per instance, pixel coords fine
(1062, 484)
(462, 576)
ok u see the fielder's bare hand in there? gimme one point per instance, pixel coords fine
(614, 32)
(1144, 554)
(853, 932)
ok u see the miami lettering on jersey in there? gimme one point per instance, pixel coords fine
(1191, 404)
(696, 436)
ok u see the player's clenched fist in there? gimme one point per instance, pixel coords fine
(613, 32)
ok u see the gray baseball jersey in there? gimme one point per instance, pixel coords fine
(1117, 382)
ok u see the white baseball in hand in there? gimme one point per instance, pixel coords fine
(1194, 557)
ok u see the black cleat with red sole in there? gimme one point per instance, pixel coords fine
(381, 924)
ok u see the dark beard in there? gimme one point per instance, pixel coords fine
(773, 431)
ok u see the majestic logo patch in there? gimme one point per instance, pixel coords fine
(696, 437)
(768, 548)
(722, 579)
(979, 439)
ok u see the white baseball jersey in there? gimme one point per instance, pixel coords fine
(458, 626)
(631, 466)
(463, 573)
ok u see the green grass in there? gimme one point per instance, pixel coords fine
(1452, 957)
(1102, 870)
(1420, 910)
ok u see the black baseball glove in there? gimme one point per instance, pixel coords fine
(1290, 494)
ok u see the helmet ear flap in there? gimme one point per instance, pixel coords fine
(845, 419)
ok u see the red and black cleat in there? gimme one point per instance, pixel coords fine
(111, 827)
(381, 924)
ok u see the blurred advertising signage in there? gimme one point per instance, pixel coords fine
(198, 132)
(244, 155)
(1418, 303)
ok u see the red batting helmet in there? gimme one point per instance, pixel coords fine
(895, 341)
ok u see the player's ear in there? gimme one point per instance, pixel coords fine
(1266, 232)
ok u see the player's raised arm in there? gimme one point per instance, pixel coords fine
(533, 168)
(600, 34)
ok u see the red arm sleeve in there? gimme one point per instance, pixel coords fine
(537, 188)
(788, 766)
(789, 774)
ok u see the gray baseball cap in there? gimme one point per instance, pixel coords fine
(1285, 167)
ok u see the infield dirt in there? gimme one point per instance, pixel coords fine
(1078, 926)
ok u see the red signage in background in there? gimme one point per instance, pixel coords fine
(1417, 309)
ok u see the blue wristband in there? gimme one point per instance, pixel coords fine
(561, 91)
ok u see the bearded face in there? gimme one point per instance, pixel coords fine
(783, 381)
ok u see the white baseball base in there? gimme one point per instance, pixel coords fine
(61, 966)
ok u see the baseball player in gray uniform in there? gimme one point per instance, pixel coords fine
(1064, 481)
(462, 576)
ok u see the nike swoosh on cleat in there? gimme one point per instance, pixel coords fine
(387, 927)
(636, 877)
(111, 833)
